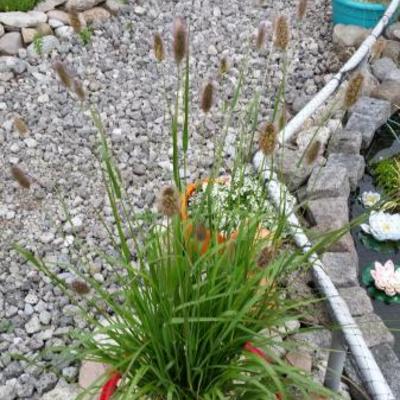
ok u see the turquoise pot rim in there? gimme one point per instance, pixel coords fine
(362, 6)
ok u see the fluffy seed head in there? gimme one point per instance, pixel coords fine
(21, 177)
(282, 33)
(313, 152)
(353, 90)
(266, 256)
(223, 65)
(268, 138)
(75, 21)
(207, 97)
(200, 232)
(20, 126)
(158, 47)
(78, 89)
(180, 39)
(63, 74)
(378, 48)
(168, 201)
(261, 35)
(80, 287)
(301, 9)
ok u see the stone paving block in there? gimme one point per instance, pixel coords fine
(374, 330)
(383, 68)
(357, 299)
(354, 164)
(389, 364)
(323, 212)
(328, 181)
(342, 268)
(345, 141)
(376, 109)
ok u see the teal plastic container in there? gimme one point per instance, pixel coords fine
(350, 12)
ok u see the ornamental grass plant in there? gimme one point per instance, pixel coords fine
(17, 5)
(197, 308)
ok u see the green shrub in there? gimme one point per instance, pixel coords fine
(387, 174)
(17, 5)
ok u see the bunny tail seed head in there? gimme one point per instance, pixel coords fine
(63, 74)
(20, 126)
(75, 21)
(79, 90)
(21, 177)
(168, 201)
(265, 257)
(80, 287)
(282, 33)
(180, 39)
(158, 47)
(301, 9)
(313, 152)
(353, 91)
(268, 138)
(223, 65)
(261, 35)
(207, 97)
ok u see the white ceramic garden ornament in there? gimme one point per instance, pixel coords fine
(383, 226)
(386, 278)
(369, 199)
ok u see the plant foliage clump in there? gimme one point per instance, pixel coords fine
(387, 174)
(17, 5)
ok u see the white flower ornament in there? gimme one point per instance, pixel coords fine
(383, 226)
(369, 199)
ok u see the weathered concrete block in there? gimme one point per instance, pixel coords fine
(328, 181)
(357, 299)
(389, 364)
(342, 268)
(383, 67)
(354, 164)
(374, 330)
(323, 211)
(367, 126)
(376, 109)
(346, 142)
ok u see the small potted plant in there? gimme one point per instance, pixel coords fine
(365, 13)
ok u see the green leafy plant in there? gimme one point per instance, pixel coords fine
(387, 174)
(38, 44)
(85, 34)
(17, 5)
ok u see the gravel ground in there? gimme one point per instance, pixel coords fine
(121, 77)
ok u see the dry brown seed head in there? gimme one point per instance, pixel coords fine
(80, 287)
(266, 256)
(200, 232)
(63, 74)
(168, 201)
(223, 65)
(20, 126)
(261, 35)
(378, 48)
(207, 97)
(79, 90)
(180, 39)
(268, 138)
(353, 91)
(158, 47)
(313, 152)
(75, 21)
(282, 33)
(21, 177)
(301, 9)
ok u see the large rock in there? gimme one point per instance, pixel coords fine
(328, 181)
(48, 5)
(354, 164)
(376, 109)
(374, 330)
(28, 35)
(392, 50)
(370, 81)
(291, 164)
(12, 64)
(390, 91)
(386, 69)
(64, 32)
(349, 35)
(18, 19)
(59, 15)
(1, 30)
(49, 43)
(345, 141)
(90, 372)
(10, 43)
(95, 14)
(342, 268)
(81, 5)
(321, 134)
(393, 31)
(357, 299)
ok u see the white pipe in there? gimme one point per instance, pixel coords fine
(297, 122)
(369, 370)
